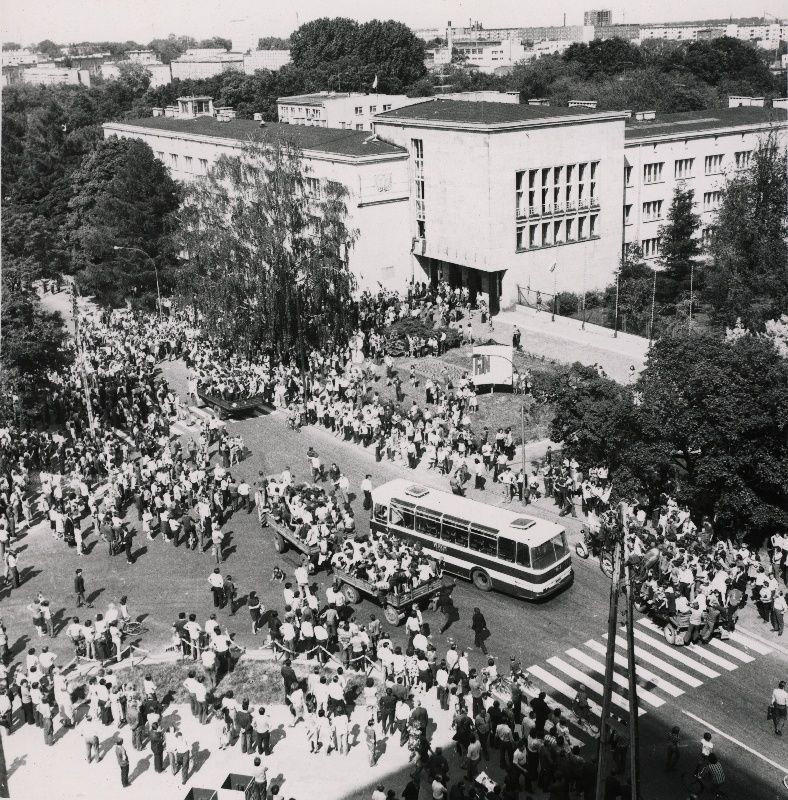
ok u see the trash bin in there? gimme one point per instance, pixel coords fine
(240, 783)
(201, 794)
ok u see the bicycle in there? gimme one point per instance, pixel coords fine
(580, 718)
(699, 789)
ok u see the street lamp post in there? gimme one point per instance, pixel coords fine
(653, 302)
(117, 247)
(692, 277)
(615, 319)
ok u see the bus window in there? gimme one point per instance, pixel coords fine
(545, 555)
(381, 513)
(506, 549)
(483, 542)
(428, 523)
(523, 555)
(454, 530)
(402, 514)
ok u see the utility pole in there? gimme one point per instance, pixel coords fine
(609, 724)
(3, 772)
(522, 452)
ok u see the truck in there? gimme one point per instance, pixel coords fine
(395, 604)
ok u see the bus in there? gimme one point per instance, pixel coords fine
(494, 548)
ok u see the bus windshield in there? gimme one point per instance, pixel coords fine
(548, 553)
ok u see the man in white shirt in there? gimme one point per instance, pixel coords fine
(779, 707)
(216, 582)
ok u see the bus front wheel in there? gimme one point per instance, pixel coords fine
(280, 545)
(351, 594)
(392, 615)
(481, 580)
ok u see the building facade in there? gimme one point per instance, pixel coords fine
(265, 59)
(351, 111)
(597, 18)
(205, 63)
(375, 174)
(497, 197)
(507, 196)
(696, 150)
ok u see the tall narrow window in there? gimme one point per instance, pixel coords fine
(417, 146)
(533, 175)
(519, 193)
(582, 174)
(594, 169)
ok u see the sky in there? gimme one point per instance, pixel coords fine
(66, 21)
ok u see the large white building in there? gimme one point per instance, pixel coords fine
(374, 172)
(763, 33)
(497, 197)
(696, 150)
(345, 110)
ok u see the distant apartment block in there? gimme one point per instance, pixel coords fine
(205, 63)
(265, 59)
(595, 18)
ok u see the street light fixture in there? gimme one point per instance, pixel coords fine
(117, 247)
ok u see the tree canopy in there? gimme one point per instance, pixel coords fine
(748, 278)
(353, 53)
(34, 342)
(707, 422)
(679, 246)
(267, 252)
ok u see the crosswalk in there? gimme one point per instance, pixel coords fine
(664, 672)
(199, 415)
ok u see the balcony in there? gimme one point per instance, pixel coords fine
(534, 211)
(582, 205)
(419, 246)
(420, 209)
(571, 205)
(594, 202)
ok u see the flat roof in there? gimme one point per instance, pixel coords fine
(483, 113)
(326, 140)
(316, 98)
(705, 120)
(527, 528)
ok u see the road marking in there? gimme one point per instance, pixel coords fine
(660, 683)
(623, 682)
(743, 746)
(699, 651)
(751, 642)
(731, 651)
(674, 652)
(588, 682)
(564, 688)
(653, 661)
(702, 651)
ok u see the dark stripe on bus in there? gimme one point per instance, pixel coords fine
(523, 573)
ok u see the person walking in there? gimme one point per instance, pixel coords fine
(672, 753)
(157, 746)
(183, 756)
(480, 631)
(778, 613)
(260, 780)
(123, 761)
(371, 738)
(779, 708)
(79, 589)
(216, 582)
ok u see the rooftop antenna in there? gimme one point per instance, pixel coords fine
(564, 18)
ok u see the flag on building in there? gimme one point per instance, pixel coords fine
(375, 82)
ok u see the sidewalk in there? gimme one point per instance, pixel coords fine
(565, 341)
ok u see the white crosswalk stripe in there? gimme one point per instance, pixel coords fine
(724, 647)
(642, 672)
(594, 685)
(701, 651)
(675, 653)
(645, 655)
(623, 682)
(750, 643)
(564, 688)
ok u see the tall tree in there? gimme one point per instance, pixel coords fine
(172, 47)
(123, 196)
(748, 277)
(679, 246)
(33, 346)
(267, 248)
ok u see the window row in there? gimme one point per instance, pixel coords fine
(555, 190)
(683, 168)
(560, 231)
(456, 532)
(188, 162)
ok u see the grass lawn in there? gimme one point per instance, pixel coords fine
(260, 681)
(499, 410)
